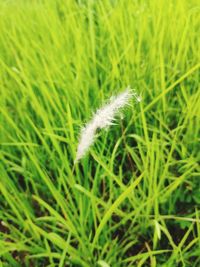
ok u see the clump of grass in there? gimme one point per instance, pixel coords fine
(136, 203)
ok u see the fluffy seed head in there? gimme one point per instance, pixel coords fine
(103, 118)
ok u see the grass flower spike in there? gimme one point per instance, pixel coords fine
(103, 118)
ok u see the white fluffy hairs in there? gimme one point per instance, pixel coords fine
(103, 118)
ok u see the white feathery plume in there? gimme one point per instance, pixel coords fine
(103, 118)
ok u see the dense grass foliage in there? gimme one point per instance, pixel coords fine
(134, 199)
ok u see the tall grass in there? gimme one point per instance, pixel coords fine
(134, 200)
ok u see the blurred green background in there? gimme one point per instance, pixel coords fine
(134, 200)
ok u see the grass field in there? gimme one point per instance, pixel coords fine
(134, 199)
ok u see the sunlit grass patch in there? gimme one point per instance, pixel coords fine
(134, 199)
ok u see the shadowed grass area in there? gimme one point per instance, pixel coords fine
(134, 199)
